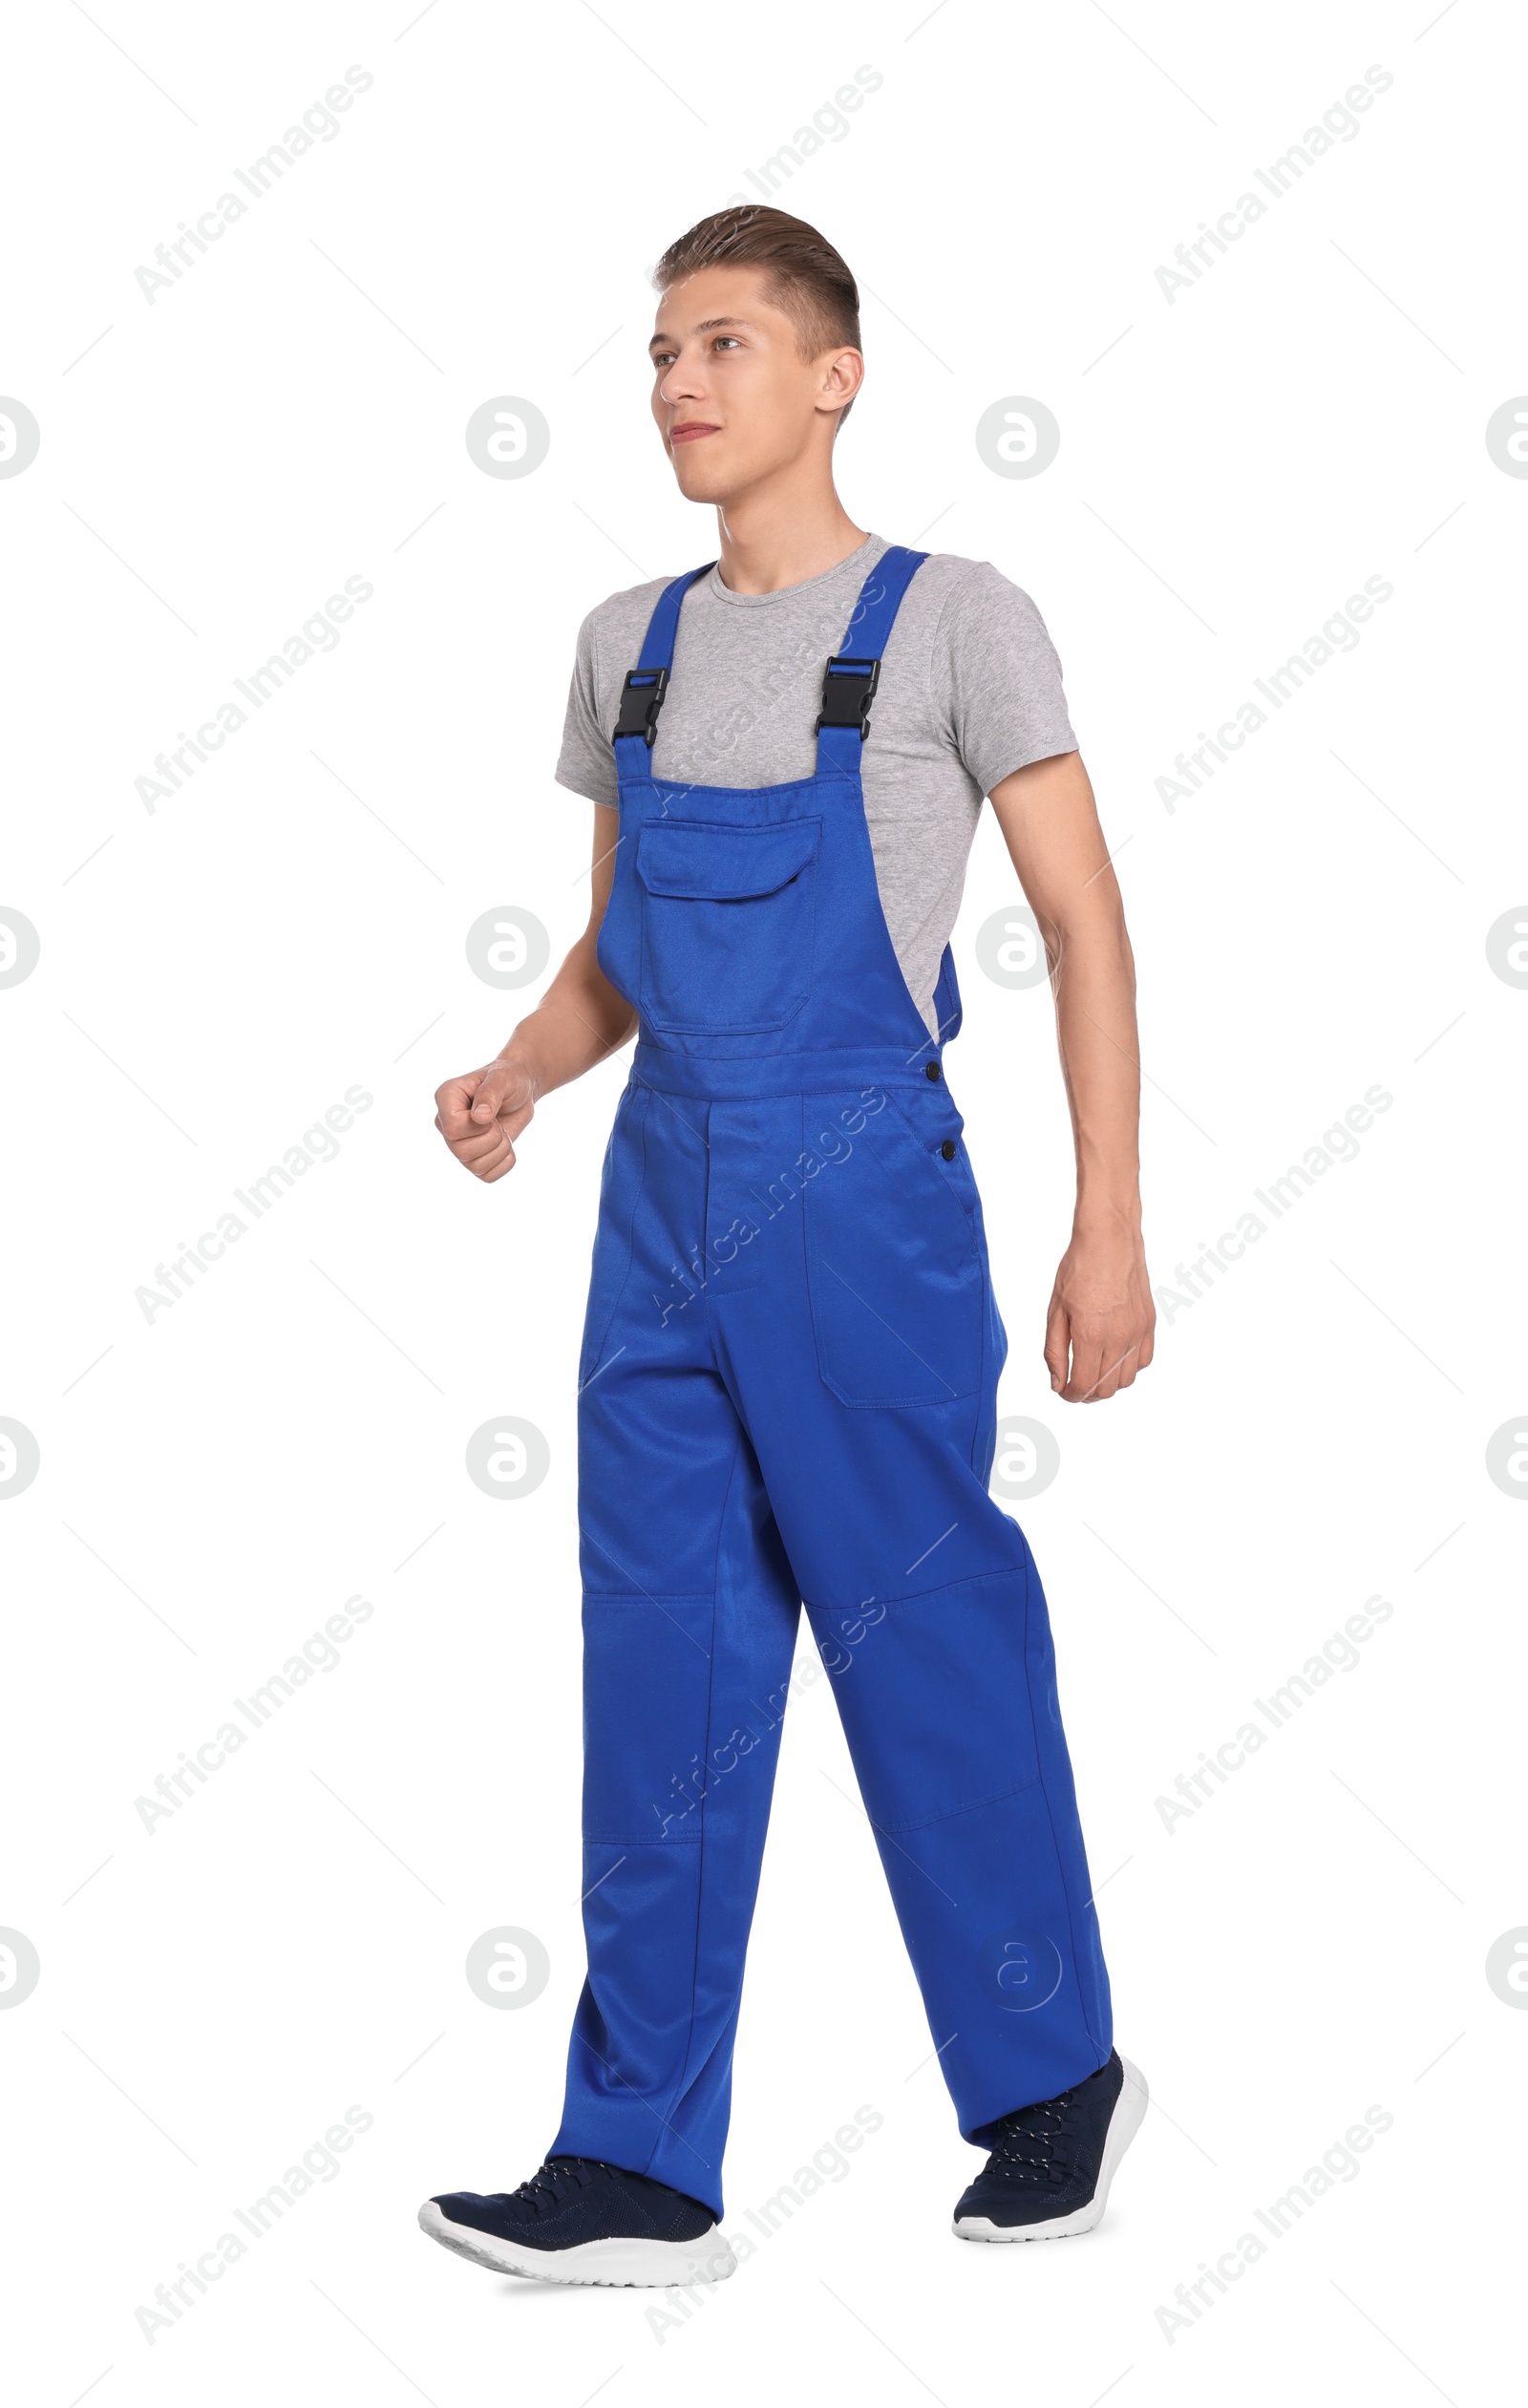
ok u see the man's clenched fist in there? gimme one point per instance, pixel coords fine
(480, 1113)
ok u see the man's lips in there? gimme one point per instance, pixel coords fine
(691, 430)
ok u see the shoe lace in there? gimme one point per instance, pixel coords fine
(1035, 2144)
(551, 2182)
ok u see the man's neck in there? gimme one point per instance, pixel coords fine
(768, 541)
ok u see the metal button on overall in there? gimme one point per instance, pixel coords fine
(788, 1397)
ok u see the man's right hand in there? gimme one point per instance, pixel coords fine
(582, 1019)
(480, 1113)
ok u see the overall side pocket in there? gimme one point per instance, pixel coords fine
(894, 1270)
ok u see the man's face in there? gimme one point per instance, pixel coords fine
(732, 397)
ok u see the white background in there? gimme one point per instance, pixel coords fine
(213, 975)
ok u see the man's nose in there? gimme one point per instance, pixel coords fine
(680, 383)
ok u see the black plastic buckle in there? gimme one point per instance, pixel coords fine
(848, 682)
(641, 701)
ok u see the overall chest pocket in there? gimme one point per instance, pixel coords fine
(729, 921)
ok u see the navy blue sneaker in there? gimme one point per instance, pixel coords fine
(1051, 2164)
(581, 2221)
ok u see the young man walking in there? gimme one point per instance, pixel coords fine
(790, 1364)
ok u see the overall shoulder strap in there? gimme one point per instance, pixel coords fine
(852, 676)
(643, 692)
(879, 600)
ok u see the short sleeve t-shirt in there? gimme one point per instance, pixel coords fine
(971, 690)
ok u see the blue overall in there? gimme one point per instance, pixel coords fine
(787, 1396)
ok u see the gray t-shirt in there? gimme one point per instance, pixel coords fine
(971, 690)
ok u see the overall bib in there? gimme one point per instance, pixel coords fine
(788, 1397)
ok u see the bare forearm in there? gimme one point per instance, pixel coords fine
(1051, 827)
(1095, 983)
(578, 1021)
(1099, 1329)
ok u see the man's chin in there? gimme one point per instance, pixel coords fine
(700, 479)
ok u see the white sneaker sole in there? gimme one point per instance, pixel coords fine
(1130, 2113)
(621, 2264)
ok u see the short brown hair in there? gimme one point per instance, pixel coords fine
(807, 278)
